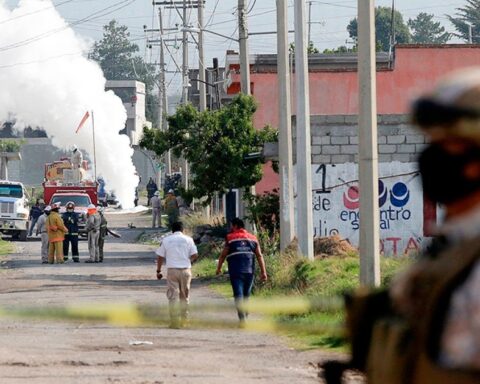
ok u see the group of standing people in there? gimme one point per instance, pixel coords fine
(58, 232)
(170, 206)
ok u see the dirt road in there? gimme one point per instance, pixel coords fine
(39, 351)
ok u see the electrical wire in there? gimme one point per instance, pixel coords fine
(35, 12)
(213, 14)
(251, 8)
(111, 9)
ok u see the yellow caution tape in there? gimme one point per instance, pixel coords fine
(201, 315)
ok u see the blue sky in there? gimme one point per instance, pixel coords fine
(331, 18)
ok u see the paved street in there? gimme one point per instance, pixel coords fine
(39, 351)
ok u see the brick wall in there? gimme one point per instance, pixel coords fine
(335, 139)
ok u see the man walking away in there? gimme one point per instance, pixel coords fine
(42, 231)
(35, 212)
(156, 210)
(241, 249)
(70, 218)
(151, 189)
(56, 234)
(103, 233)
(93, 229)
(177, 251)
(171, 207)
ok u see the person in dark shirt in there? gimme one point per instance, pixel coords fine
(241, 249)
(35, 212)
(151, 189)
(70, 219)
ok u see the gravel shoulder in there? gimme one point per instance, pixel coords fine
(40, 351)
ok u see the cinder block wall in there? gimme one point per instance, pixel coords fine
(335, 139)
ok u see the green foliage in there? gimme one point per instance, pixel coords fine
(427, 31)
(465, 16)
(118, 58)
(311, 49)
(383, 28)
(341, 49)
(10, 146)
(215, 143)
(264, 211)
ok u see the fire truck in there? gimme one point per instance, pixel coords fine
(63, 184)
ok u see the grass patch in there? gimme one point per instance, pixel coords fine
(290, 275)
(5, 248)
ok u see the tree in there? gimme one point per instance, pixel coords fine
(340, 49)
(427, 31)
(118, 58)
(215, 143)
(311, 49)
(383, 28)
(467, 16)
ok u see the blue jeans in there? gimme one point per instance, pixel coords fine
(32, 224)
(242, 284)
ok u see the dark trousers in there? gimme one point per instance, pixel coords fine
(70, 239)
(101, 243)
(242, 284)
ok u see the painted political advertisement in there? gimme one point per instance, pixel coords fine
(336, 205)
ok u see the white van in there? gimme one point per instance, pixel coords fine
(13, 210)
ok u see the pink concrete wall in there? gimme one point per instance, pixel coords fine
(416, 70)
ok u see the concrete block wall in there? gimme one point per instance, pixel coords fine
(335, 139)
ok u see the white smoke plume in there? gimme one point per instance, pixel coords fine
(47, 81)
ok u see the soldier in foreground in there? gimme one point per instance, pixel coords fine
(426, 327)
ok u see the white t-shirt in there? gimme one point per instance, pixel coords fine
(177, 249)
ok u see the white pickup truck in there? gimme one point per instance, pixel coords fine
(13, 210)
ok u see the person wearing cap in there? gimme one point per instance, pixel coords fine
(71, 218)
(103, 233)
(42, 231)
(171, 207)
(56, 234)
(429, 328)
(156, 210)
(93, 229)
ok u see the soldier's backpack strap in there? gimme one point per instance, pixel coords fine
(451, 269)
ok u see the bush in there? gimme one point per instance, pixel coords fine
(10, 146)
(264, 211)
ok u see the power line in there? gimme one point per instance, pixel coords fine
(35, 12)
(111, 9)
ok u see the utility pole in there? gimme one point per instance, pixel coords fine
(309, 22)
(287, 227)
(202, 87)
(243, 42)
(244, 81)
(368, 150)
(304, 160)
(163, 98)
(185, 170)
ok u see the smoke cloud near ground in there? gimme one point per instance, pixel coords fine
(47, 81)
